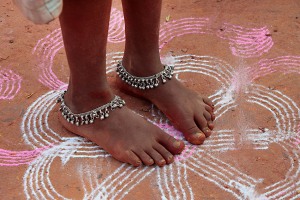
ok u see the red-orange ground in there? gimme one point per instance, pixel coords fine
(244, 54)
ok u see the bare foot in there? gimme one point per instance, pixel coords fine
(125, 135)
(190, 113)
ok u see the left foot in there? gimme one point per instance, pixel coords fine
(189, 112)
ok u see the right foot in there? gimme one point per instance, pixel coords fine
(125, 135)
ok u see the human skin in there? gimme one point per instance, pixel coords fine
(85, 30)
(191, 113)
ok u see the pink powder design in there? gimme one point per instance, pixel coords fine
(246, 42)
(10, 84)
(45, 50)
(189, 149)
(116, 31)
(16, 158)
(283, 64)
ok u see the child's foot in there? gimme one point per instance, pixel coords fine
(188, 111)
(125, 135)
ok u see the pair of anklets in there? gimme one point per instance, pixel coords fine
(102, 112)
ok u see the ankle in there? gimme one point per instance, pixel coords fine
(84, 100)
(142, 65)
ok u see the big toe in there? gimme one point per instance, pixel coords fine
(204, 123)
(196, 138)
(192, 132)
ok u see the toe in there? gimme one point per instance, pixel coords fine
(208, 102)
(192, 132)
(169, 158)
(203, 124)
(211, 111)
(208, 117)
(173, 145)
(213, 117)
(144, 157)
(157, 157)
(196, 138)
(131, 158)
(210, 125)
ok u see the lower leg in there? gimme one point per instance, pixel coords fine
(142, 36)
(84, 27)
(190, 113)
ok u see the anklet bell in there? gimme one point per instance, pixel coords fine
(90, 116)
(144, 83)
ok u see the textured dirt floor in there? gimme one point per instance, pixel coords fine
(244, 54)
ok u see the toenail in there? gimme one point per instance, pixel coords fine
(138, 163)
(151, 161)
(176, 144)
(170, 158)
(162, 162)
(198, 136)
(206, 130)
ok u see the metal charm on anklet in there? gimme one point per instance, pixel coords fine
(90, 116)
(144, 83)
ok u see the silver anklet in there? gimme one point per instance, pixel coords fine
(145, 82)
(90, 116)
